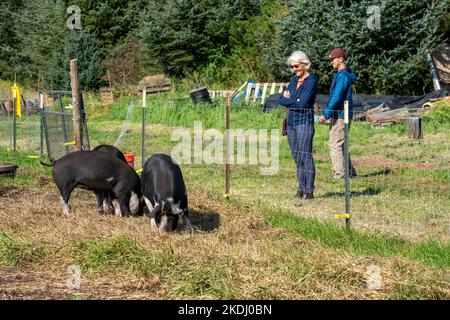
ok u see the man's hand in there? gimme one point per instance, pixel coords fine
(286, 94)
(322, 119)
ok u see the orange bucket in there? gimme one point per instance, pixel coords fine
(129, 156)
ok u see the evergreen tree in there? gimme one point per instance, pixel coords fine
(45, 46)
(224, 42)
(183, 35)
(82, 46)
(9, 51)
(111, 22)
(245, 58)
(40, 26)
(389, 60)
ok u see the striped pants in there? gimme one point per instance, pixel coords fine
(300, 138)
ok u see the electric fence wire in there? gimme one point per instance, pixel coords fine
(126, 124)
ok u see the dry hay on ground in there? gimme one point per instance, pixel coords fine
(28, 283)
(234, 249)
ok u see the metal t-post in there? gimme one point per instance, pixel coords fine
(144, 107)
(41, 118)
(14, 118)
(347, 166)
(227, 146)
(86, 143)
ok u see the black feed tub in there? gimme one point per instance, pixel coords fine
(200, 95)
(7, 169)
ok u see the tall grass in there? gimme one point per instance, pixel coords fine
(439, 119)
(122, 253)
(430, 252)
(97, 256)
(181, 112)
(29, 168)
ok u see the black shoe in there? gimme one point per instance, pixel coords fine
(299, 195)
(309, 195)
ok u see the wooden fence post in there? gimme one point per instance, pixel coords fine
(75, 103)
(415, 128)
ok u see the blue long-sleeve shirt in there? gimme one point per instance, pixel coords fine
(301, 102)
(340, 90)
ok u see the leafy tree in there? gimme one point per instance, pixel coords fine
(445, 23)
(124, 63)
(245, 58)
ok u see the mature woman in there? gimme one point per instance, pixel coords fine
(299, 98)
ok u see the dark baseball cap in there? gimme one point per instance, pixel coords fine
(336, 53)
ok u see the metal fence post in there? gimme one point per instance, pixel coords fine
(227, 146)
(85, 132)
(144, 107)
(346, 215)
(14, 119)
(41, 113)
(347, 166)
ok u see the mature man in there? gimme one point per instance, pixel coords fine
(340, 90)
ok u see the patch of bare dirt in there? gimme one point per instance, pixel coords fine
(9, 191)
(383, 162)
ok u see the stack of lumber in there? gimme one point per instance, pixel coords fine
(388, 117)
(384, 116)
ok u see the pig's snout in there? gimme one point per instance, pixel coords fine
(169, 223)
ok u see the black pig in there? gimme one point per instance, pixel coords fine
(98, 172)
(164, 193)
(104, 199)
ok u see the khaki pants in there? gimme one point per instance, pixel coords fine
(336, 144)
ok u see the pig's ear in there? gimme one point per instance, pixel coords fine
(155, 210)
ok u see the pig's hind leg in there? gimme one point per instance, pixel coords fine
(104, 202)
(100, 201)
(108, 202)
(117, 208)
(124, 201)
(65, 192)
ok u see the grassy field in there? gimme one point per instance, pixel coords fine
(259, 244)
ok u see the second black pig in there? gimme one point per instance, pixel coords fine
(165, 193)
